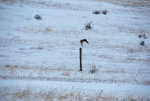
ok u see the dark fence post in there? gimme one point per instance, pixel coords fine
(80, 59)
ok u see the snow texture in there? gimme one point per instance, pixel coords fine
(43, 55)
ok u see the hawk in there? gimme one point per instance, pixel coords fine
(83, 40)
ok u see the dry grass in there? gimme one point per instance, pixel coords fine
(23, 94)
(130, 30)
(7, 66)
(28, 94)
(128, 47)
(132, 50)
(46, 29)
(114, 71)
(44, 72)
(11, 72)
(38, 48)
(147, 82)
(67, 73)
(50, 95)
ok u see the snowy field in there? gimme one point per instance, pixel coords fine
(39, 59)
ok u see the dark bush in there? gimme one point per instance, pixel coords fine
(88, 26)
(104, 12)
(93, 69)
(142, 36)
(142, 43)
(96, 12)
(38, 17)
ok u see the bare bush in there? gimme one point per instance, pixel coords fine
(96, 12)
(93, 69)
(38, 17)
(142, 43)
(104, 12)
(142, 34)
(88, 26)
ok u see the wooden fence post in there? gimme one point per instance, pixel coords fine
(80, 59)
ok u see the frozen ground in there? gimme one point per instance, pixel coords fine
(39, 59)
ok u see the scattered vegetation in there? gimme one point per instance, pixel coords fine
(29, 94)
(88, 26)
(143, 36)
(104, 12)
(96, 12)
(142, 43)
(93, 69)
(99, 12)
(36, 29)
(37, 48)
(38, 17)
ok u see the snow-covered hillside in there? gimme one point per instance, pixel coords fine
(39, 59)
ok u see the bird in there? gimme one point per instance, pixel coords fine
(83, 40)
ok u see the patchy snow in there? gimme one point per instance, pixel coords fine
(103, 89)
(47, 50)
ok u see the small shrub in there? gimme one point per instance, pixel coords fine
(96, 12)
(142, 43)
(93, 69)
(38, 17)
(104, 12)
(7, 65)
(88, 26)
(142, 36)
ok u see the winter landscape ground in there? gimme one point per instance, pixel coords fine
(39, 58)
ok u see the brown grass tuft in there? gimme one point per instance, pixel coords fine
(66, 73)
(45, 30)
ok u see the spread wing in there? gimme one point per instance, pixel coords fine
(86, 41)
(83, 40)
